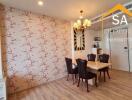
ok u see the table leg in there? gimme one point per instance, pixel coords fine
(98, 76)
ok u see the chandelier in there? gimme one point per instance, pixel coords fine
(81, 23)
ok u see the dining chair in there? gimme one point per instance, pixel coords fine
(70, 69)
(104, 58)
(91, 57)
(84, 73)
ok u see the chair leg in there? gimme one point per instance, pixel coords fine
(76, 78)
(73, 78)
(100, 75)
(108, 73)
(78, 82)
(87, 85)
(67, 77)
(96, 82)
(104, 76)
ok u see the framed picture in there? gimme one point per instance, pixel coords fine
(79, 40)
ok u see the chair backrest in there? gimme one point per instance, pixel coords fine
(82, 65)
(69, 65)
(91, 57)
(104, 58)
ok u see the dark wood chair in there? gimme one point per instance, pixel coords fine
(104, 58)
(70, 69)
(83, 73)
(91, 57)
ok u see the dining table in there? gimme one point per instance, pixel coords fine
(95, 66)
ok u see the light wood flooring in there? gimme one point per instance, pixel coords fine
(119, 87)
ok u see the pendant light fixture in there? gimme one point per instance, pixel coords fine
(81, 23)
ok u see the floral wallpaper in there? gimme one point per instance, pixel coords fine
(34, 48)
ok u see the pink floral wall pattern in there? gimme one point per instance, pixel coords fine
(36, 46)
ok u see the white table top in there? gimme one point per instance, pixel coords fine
(97, 65)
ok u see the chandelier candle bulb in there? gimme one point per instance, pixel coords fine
(75, 25)
(89, 23)
(79, 22)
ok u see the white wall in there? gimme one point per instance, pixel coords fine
(106, 48)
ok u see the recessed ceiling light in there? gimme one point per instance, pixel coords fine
(40, 3)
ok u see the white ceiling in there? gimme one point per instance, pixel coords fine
(65, 9)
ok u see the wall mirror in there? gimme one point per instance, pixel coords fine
(79, 40)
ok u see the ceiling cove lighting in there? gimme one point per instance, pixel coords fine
(40, 3)
(81, 23)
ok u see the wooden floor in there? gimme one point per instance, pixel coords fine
(118, 88)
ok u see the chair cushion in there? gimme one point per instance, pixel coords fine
(90, 75)
(75, 70)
